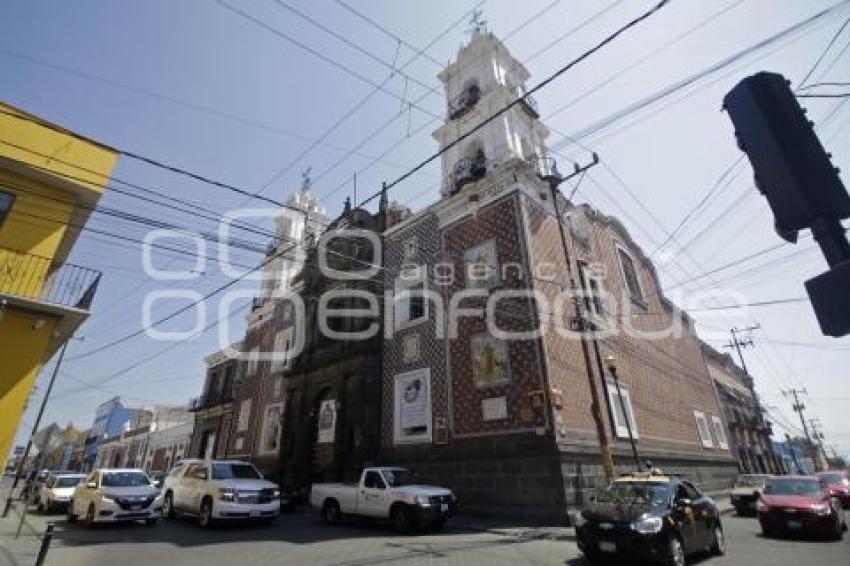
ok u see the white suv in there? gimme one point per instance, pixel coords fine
(220, 489)
(116, 494)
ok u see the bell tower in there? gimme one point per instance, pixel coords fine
(482, 80)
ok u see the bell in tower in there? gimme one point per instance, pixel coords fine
(484, 79)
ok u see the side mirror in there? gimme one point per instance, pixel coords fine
(155, 483)
(91, 485)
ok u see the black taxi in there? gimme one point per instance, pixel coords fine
(651, 518)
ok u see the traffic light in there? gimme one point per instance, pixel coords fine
(802, 187)
(791, 167)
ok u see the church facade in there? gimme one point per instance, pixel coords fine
(485, 385)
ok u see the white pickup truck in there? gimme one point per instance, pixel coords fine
(385, 493)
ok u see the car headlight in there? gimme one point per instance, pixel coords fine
(106, 499)
(647, 525)
(422, 500)
(821, 509)
(276, 493)
(227, 494)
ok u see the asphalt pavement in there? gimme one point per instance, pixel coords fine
(299, 538)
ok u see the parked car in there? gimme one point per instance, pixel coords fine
(220, 489)
(838, 482)
(746, 491)
(32, 487)
(57, 491)
(385, 493)
(800, 504)
(115, 494)
(649, 518)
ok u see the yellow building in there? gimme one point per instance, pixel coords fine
(50, 179)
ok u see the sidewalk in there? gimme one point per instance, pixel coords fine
(482, 524)
(21, 551)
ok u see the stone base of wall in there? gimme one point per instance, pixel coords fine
(515, 477)
(525, 479)
(582, 470)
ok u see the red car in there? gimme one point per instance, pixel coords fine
(838, 483)
(800, 505)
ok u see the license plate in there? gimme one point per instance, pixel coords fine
(605, 546)
(795, 525)
(135, 508)
(444, 507)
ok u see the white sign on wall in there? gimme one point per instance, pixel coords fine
(327, 421)
(494, 409)
(412, 399)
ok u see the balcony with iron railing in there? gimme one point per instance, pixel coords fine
(467, 170)
(464, 102)
(209, 400)
(37, 278)
(529, 104)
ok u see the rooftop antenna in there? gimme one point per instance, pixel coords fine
(476, 23)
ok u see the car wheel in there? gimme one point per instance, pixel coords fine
(71, 517)
(168, 506)
(152, 521)
(675, 552)
(205, 518)
(400, 517)
(592, 555)
(90, 516)
(332, 513)
(718, 547)
(838, 533)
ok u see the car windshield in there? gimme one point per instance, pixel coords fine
(235, 471)
(834, 478)
(67, 481)
(653, 493)
(750, 481)
(398, 477)
(124, 479)
(792, 487)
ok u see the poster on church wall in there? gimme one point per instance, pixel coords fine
(413, 407)
(327, 421)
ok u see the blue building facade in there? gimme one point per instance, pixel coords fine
(796, 461)
(110, 419)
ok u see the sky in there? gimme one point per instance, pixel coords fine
(252, 93)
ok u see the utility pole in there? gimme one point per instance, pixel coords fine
(799, 408)
(551, 175)
(818, 436)
(737, 343)
(36, 423)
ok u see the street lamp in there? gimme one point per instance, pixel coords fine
(611, 364)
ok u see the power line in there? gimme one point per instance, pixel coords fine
(522, 98)
(825, 51)
(679, 85)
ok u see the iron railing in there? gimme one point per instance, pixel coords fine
(467, 170)
(209, 400)
(37, 277)
(464, 101)
(529, 103)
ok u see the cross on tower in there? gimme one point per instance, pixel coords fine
(476, 23)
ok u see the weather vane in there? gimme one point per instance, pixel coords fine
(476, 24)
(306, 176)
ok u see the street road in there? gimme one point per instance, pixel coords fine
(301, 539)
